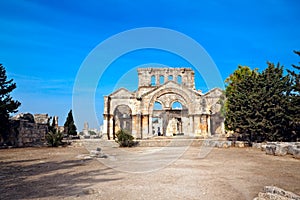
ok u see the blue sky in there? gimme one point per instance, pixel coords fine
(43, 43)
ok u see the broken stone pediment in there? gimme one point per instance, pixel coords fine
(122, 92)
(215, 92)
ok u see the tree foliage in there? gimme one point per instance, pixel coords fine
(69, 126)
(294, 106)
(54, 138)
(7, 104)
(124, 139)
(263, 106)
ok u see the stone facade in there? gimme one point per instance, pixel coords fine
(165, 103)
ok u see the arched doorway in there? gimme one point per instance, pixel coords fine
(157, 123)
(170, 115)
(122, 119)
(174, 126)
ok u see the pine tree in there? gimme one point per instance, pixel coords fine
(7, 104)
(239, 86)
(69, 126)
(294, 101)
(274, 111)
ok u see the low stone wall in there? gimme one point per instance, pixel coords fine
(279, 148)
(217, 143)
(275, 193)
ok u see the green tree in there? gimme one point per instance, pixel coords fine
(294, 100)
(238, 86)
(69, 126)
(257, 104)
(7, 104)
(273, 87)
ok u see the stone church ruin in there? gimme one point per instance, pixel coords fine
(166, 103)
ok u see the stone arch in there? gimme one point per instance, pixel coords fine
(176, 101)
(157, 101)
(122, 118)
(179, 79)
(161, 79)
(153, 80)
(170, 122)
(115, 104)
(185, 100)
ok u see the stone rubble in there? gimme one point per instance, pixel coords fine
(279, 148)
(97, 153)
(276, 193)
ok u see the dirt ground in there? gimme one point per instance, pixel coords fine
(66, 173)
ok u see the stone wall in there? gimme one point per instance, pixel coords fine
(28, 130)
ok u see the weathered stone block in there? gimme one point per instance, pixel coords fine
(280, 193)
(263, 147)
(296, 153)
(281, 149)
(240, 144)
(270, 149)
(227, 144)
(291, 149)
(256, 145)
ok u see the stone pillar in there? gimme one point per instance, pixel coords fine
(197, 125)
(105, 130)
(145, 125)
(166, 78)
(139, 126)
(192, 128)
(55, 118)
(223, 127)
(134, 126)
(150, 126)
(157, 80)
(208, 125)
(111, 127)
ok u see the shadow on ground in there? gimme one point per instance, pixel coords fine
(24, 179)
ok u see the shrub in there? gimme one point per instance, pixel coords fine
(92, 133)
(54, 138)
(124, 139)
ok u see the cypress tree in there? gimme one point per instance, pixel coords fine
(69, 126)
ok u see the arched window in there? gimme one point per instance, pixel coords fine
(179, 79)
(170, 77)
(157, 106)
(153, 81)
(176, 106)
(161, 79)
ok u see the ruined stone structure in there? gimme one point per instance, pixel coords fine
(28, 130)
(165, 103)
